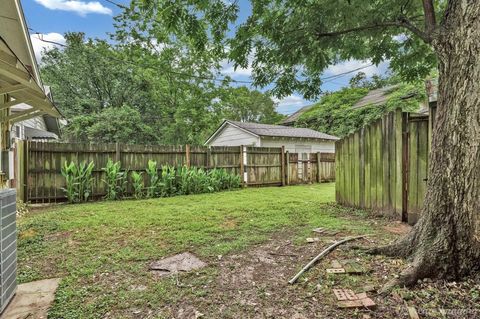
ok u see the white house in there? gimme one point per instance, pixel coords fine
(295, 140)
(43, 127)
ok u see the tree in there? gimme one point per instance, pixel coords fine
(290, 44)
(245, 105)
(360, 80)
(93, 78)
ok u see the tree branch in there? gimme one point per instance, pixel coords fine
(429, 12)
(401, 22)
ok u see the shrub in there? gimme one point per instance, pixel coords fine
(167, 185)
(220, 179)
(115, 179)
(78, 181)
(153, 178)
(137, 183)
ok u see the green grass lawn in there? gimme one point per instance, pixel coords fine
(102, 250)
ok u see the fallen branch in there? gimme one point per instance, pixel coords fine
(280, 254)
(322, 254)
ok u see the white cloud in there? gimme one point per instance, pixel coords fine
(291, 100)
(40, 46)
(289, 104)
(80, 7)
(350, 65)
(228, 69)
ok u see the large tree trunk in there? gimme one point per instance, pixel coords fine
(445, 243)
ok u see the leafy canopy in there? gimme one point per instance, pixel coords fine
(137, 92)
(290, 43)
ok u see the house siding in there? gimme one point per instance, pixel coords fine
(233, 136)
(300, 144)
(36, 122)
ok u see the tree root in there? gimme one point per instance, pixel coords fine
(409, 276)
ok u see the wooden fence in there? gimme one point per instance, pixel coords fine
(39, 179)
(383, 166)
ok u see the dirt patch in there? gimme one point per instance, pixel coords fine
(397, 228)
(253, 284)
(58, 236)
(178, 263)
(229, 224)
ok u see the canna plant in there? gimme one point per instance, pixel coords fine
(153, 178)
(167, 185)
(138, 185)
(71, 189)
(78, 180)
(85, 180)
(115, 180)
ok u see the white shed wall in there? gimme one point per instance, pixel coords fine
(233, 136)
(300, 145)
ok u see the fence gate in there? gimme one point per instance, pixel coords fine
(416, 165)
(384, 165)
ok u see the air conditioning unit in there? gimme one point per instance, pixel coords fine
(8, 246)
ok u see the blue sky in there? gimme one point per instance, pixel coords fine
(52, 18)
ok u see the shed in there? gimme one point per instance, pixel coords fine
(295, 140)
(292, 119)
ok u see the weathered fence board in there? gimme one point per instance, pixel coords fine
(39, 164)
(383, 166)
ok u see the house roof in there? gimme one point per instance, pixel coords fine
(268, 130)
(292, 118)
(19, 72)
(34, 133)
(375, 97)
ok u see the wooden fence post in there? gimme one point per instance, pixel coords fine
(319, 167)
(187, 155)
(283, 165)
(287, 158)
(26, 161)
(209, 154)
(243, 158)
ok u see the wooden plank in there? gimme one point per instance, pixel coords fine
(9, 104)
(361, 177)
(379, 185)
(118, 152)
(283, 165)
(398, 123)
(413, 172)
(287, 157)
(367, 163)
(242, 163)
(422, 164)
(385, 162)
(11, 88)
(8, 58)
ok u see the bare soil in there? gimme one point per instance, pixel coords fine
(254, 284)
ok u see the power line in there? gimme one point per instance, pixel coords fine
(324, 80)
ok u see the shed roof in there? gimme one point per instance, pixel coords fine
(34, 133)
(268, 130)
(375, 97)
(292, 118)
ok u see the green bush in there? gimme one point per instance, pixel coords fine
(167, 184)
(153, 179)
(115, 179)
(79, 181)
(137, 184)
